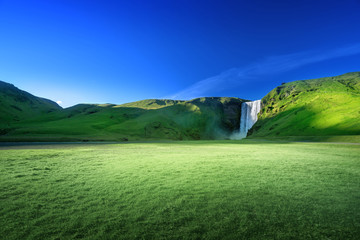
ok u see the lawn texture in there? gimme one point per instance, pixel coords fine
(181, 190)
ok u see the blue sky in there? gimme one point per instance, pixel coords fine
(122, 51)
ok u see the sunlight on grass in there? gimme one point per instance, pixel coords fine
(223, 189)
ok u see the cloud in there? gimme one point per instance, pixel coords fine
(59, 102)
(275, 64)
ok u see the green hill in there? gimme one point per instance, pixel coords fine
(320, 107)
(301, 110)
(202, 118)
(17, 105)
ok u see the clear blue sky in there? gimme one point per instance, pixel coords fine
(120, 51)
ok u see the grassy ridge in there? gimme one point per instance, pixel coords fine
(326, 109)
(17, 105)
(319, 107)
(203, 118)
(182, 190)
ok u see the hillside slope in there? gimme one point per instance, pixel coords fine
(320, 107)
(202, 118)
(17, 105)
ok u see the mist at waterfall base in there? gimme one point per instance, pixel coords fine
(249, 112)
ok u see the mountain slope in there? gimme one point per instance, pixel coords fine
(17, 105)
(319, 107)
(203, 118)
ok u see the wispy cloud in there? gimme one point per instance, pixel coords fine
(276, 64)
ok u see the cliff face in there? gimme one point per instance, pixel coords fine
(229, 109)
(232, 113)
(318, 107)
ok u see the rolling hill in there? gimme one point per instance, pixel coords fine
(152, 119)
(311, 108)
(17, 105)
(303, 110)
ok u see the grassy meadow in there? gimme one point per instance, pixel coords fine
(180, 190)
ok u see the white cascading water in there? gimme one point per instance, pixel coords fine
(249, 112)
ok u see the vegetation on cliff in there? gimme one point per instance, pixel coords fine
(319, 107)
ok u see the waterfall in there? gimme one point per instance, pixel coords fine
(249, 112)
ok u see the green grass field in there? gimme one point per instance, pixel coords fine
(181, 190)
